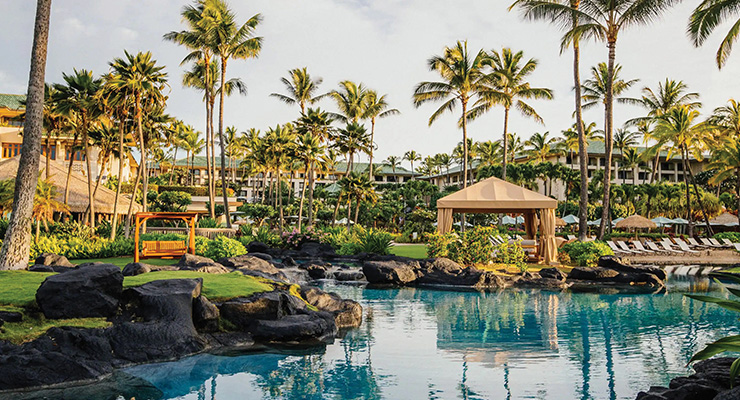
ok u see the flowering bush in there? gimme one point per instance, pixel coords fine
(296, 238)
(472, 247)
(510, 254)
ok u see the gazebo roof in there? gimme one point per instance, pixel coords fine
(723, 219)
(495, 195)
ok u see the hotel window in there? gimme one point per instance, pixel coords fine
(11, 149)
(79, 155)
(52, 152)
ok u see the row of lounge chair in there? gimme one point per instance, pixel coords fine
(665, 245)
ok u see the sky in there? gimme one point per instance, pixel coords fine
(381, 43)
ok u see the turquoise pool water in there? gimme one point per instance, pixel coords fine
(429, 344)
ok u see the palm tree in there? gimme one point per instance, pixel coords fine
(309, 151)
(77, 99)
(689, 139)
(375, 107)
(624, 139)
(301, 89)
(462, 81)
(393, 162)
(565, 14)
(54, 123)
(726, 164)
(506, 85)
(16, 246)
(541, 147)
(143, 80)
(45, 204)
(193, 144)
(630, 160)
(489, 152)
(228, 40)
(604, 86)
(279, 143)
(706, 17)
(351, 140)
(412, 156)
(444, 160)
(318, 124)
(351, 100)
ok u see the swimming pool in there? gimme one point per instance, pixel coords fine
(432, 344)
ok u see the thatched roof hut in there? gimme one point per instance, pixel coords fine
(725, 218)
(637, 222)
(78, 193)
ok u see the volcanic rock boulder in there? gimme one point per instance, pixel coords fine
(316, 271)
(243, 311)
(205, 314)
(552, 273)
(344, 276)
(711, 381)
(133, 269)
(249, 264)
(53, 260)
(615, 263)
(612, 271)
(87, 292)
(157, 321)
(396, 271)
(190, 262)
(347, 313)
(311, 326)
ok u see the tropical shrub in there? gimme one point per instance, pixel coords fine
(296, 238)
(207, 222)
(264, 235)
(171, 201)
(375, 241)
(586, 254)
(733, 236)
(472, 247)
(510, 253)
(258, 212)
(629, 235)
(71, 229)
(222, 246)
(438, 244)
(104, 227)
(350, 248)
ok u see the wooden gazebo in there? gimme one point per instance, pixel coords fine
(165, 249)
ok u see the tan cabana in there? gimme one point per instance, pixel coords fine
(495, 196)
(636, 222)
(724, 219)
(560, 222)
(79, 199)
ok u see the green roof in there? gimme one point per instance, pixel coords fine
(378, 169)
(12, 101)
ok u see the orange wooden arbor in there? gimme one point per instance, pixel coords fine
(165, 249)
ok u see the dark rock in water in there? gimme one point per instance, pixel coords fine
(616, 263)
(552, 273)
(296, 328)
(257, 247)
(190, 262)
(248, 262)
(399, 271)
(443, 271)
(732, 394)
(263, 256)
(490, 280)
(205, 315)
(592, 274)
(347, 313)
(233, 339)
(166, 330)
(314, 249)
(53, 260)
(118, 386)
(61, 355)
(242, 312)
(288, 261)
(10, 316)
(82, 293)
(537, 281)
(344, 276)
(711, 381)
(317, 271)
(133, 269)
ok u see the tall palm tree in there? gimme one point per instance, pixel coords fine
(228, 41)
(301, 89)
(624, 139)
(351, 100)
(564, 13)
(143, 80)
(318, 124)
(444, 160)
(309, 150)
(193, 144)
(726, 164)
(78, 99)
(412, 156)
(462, 81)
(706, 17)
(351, 140)
(279, 146)
(541, 147)
(489, 152)
(393, 162)
(375, 107)
(506, 86)
(689, 139)
(45, 204)
(630, 160)
(17, 244)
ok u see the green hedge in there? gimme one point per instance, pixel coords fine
(733, 236)
(586, 254)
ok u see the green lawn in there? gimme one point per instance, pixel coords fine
(18, 288)
(216, 287)
(122, 261)
(410, 250)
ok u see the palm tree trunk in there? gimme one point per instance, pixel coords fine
(221, 140)
(69, 169)
(357, 210)
(279, 200)
(91, 203)
(582, 145)
(174, 163)
(687, 170)
(120, 182)
(130, 212)
(17, 243)
(372, 147)
(506, 143)
(48, 154)
(336, 209)
(303, 196)
(464, 103)
(608, 144)
(689, 217)
(311, 182)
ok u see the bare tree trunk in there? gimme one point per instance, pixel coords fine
(91, 203)
(279, 200)
(48, 154)
(311, 182)
(608, 144)
(372, 148)
(69, 169)
(120, 182)
(131, 203)
(336, 210)
(212, 172)
(221, 140)
(506, 143)
(689, 216)
(17, 244)
(303, 197)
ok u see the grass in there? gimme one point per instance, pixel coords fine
(410, 250)
(18, 288)
(122, 261)
(216, 287)
(34, 325)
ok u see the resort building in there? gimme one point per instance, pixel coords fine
(64, 149)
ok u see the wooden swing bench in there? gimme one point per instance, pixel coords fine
(165, 248)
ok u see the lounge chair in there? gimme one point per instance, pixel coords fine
(694, 243)
(571, 237)
(737, 246)
(653, 246)
(638, 245)
(683, 246)
(708, 243)
(616, 249)
(728, 242)
(622, 245)
(716, 242)
(668, 248)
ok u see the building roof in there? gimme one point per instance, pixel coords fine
(495, 195)
(378, 169)
(78, 192)
(12, 101)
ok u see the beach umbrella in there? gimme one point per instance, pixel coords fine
(724, 219)
(570, 219)
(614, 221)
(507, 220)
(594, 223)
(680, 221)
(663, 221)
(636, 222)
(467, 224)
